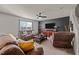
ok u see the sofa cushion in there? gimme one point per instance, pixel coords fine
(61, 44)
(63, 36)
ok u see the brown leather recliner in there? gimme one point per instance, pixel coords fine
(8, 46)
(63, 39)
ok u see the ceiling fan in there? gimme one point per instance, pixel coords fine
(40, 15)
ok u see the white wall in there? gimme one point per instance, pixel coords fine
(75, 30)
(10, 24)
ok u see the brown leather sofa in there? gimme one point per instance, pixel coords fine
(63, 39)
(8, 46)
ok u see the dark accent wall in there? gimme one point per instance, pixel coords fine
(60, 23)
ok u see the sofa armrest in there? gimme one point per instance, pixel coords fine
(11, 50)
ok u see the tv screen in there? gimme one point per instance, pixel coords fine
(49, 25)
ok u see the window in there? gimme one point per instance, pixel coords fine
(25, 26)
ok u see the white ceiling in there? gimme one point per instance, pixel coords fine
(30, 10)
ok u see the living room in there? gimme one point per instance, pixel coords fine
(50, 29)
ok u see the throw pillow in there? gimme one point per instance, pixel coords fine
(26, 45)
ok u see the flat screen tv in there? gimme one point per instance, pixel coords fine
(49, 25)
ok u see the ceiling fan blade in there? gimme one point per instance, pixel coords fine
(39, 15)
(44, 16)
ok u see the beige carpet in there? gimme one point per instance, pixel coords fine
(50, 50)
